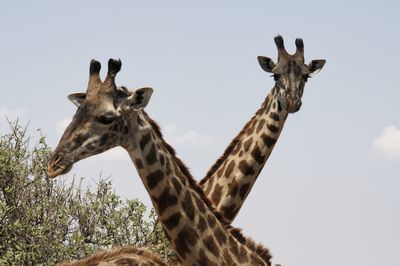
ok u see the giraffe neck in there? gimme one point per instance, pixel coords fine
(196, 233)
(231, 178)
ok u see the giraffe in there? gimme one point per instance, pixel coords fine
(109, 116)
(127, 255)
(230, 179)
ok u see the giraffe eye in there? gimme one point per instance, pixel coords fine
(106, 118)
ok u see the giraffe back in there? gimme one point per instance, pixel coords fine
(127, 255)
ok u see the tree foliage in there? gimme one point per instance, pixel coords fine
(43, 221)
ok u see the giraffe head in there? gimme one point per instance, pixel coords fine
(290, 73)
(103, 119)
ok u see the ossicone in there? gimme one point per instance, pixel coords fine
(114, 65)
(95, 67)
(281, 46)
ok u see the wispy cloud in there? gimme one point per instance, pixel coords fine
(388, 143)
(191, 138)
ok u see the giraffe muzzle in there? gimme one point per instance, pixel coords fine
(293, 103)
(293, 106)
(58, 165)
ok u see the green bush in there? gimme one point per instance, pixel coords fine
(43, 221)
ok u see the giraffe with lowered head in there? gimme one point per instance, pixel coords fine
(108, 117)
(231, 178)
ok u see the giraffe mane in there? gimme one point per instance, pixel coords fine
(258, 248)
(233, 144)
(262, 251)
(115, 253)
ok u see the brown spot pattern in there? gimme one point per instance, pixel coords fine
(172, 221)
(245, 168)
(187, 206)
(237, 148)
(216, 195)
(185, 239)
(211, 221)
(139, 163)
(274, 116)
(229, 168)
(244, 189)
(200, 204)
(268, 140)
(220, 171)
(272, 128)
(165, 201)
(151, 157)
(145, 139)
(162, 159)
(243, 258)
(250, 130)
(247, 144)
(202, 224)
(233, 187)
(177, 186)
(203, 259)
(154, 178)
(227, 257)
(220, 236)
(257, 155)
(260, 125)
(229, 211)
(210, 244)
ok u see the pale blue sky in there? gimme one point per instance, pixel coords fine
(329, 194)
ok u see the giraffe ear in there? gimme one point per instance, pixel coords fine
(77, 98)
(315, 66)
(266, 63)
(140, 98)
